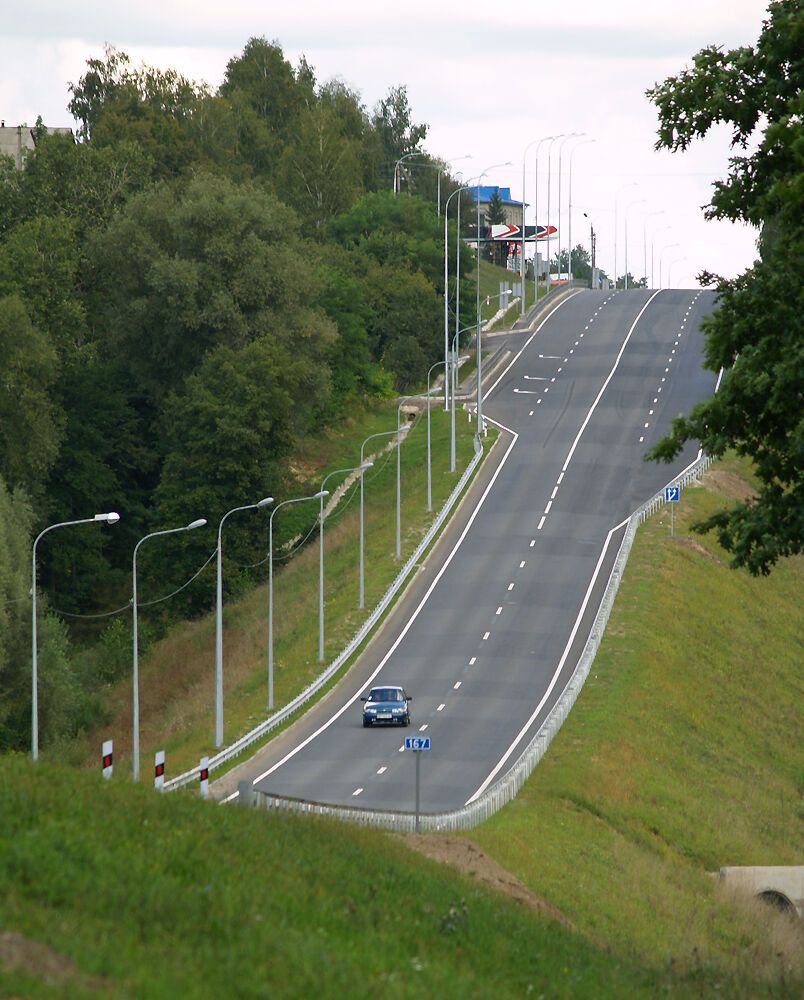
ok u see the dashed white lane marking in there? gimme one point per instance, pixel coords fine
(553, 494)
(522, 564)
(531, 413)
(473, 661)
(547, 387)
(576, 343)
(510, 586)
(647, 425)
(382, 770)
(650, 413)
(539, 528)
(357, 791)
(572, 350)
(498, 611)
(402, 749)
(422, 728)
(441, 707)
(565, 361)
(538, 401)
(552, 380)
(549, 505)
(560, 368)
(641, 439)
(456, 685)
(486, 635)
(532, 542)
(558, 481)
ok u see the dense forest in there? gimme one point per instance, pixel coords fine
(188, 286)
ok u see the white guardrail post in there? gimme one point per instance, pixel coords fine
(504, 790)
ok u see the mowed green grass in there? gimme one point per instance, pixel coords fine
(684, 753)
(143, 895)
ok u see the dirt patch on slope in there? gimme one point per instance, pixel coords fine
(687, 542)
(33, 958)
(469, 859)
(730, 485)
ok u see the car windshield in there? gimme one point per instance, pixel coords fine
(386, 694)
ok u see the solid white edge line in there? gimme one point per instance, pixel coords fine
(348, 704)
(518, 739)
(608, 379)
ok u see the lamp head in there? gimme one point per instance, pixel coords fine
(366, 465)
(196, 524)
(265, 501)
(111, 518)
(321, 494)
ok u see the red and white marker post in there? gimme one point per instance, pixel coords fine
(106, 751)
(203, 776)
(159, 769)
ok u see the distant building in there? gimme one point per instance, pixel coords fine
(16, 140)
(513, 209)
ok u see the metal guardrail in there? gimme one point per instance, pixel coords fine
(236, 748)
(509, 785)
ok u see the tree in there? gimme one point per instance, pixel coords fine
(495, 216)
(756, 334)
(396, 133)
(30, 424)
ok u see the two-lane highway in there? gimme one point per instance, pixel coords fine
(491, 630)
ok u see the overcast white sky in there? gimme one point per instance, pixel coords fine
(487, 79)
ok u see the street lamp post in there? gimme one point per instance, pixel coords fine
(361, 592)
(661, 229)
(219, 620)
(645, 244)
(546, 138)
(661, 255)
(111, 518)
(571, 135)
(397, 176)
(399, 480)
(628, 208)
(135, 713)
(561, 135)
(537, 143)
(670, 265)
(592, 241)
(284, 503)
(616, 200)
(321, 494)
(429, 474)
(457, 191)
(569, 205)
(477, 304)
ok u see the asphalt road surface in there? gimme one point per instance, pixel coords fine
(491, 628)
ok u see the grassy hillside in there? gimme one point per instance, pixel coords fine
(112, 890)
(683, 754)
(490, 278)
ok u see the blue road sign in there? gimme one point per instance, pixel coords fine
(417, 742)
(672, 494)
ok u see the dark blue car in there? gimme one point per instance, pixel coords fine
(386, 705)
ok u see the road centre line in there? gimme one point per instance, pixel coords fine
(522, 564)
(414, 615)
(539, 528)
(456, 685)
(441, 707)
(382, 770)
(357, 791)
(608, 379)
(501, 763)
(486, 636)
(473, 661)
(422, 728)
(498, 611)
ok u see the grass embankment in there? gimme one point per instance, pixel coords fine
(176, 674)
(112, 890)
(682, 755)
(490, 278)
